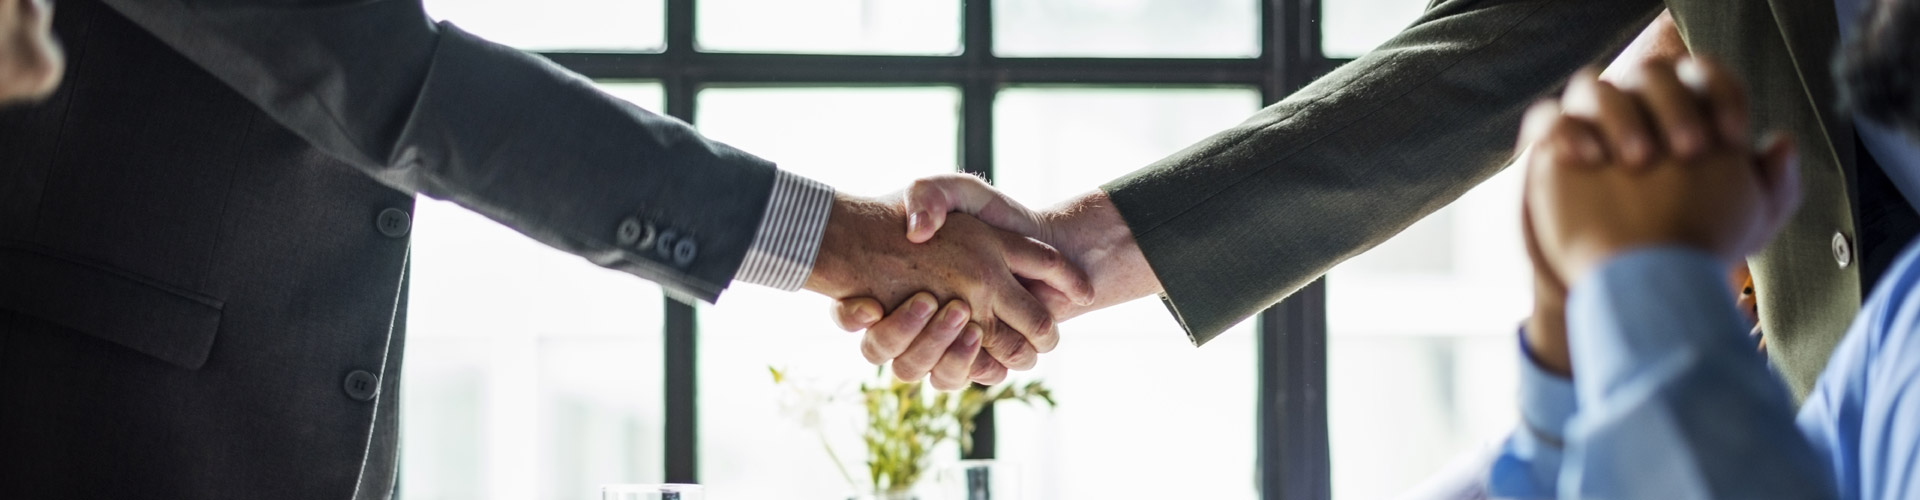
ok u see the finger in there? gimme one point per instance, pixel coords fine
(1057, 303)
(931, 344)
(1030, 259)
(1569, 142)
(1622, 122)
(1680, 115)
(927, 208)
(1025, 314)
(890, 336)
(986, 370)
(857, 313)
(1534, 124)
(956, 364)
(1010, 348)
(1545, 279)
(1725, 96)
(930, 199)
(1540, 122)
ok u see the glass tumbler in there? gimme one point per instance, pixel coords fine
(652, 492)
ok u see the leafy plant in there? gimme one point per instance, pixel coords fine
(906, 421)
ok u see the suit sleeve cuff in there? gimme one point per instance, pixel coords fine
(788, 240)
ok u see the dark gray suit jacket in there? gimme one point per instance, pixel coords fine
(1239, 221)
(203, 232)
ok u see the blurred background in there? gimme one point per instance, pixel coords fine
(532, 374)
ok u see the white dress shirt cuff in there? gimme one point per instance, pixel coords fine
(788, 240)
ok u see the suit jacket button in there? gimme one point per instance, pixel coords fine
(663, 247)
(684, 251)
(628, 233)
(361, 385)
(394, 222)
(1842, 250)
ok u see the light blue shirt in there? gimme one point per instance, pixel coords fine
(1672, 402)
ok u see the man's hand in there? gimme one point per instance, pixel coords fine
(30, 62)
(1587, 204)
(1087, 230)
(977, 268)
(1658, 46)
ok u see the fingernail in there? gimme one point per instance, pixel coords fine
(953, 317)
(916, 221)
(866, 315)
(970, 339)
(922, 306)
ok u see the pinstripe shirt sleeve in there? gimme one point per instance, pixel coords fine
(788, 240)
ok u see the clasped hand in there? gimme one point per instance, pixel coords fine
(1660, 159)
(1013, 313)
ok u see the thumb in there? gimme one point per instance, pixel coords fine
(930, 199)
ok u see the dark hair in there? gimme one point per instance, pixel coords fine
(1879, 69)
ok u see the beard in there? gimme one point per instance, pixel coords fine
(1879, 69)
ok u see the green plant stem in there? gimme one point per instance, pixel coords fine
(821, 434)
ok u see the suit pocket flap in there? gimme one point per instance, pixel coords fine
(176, 326)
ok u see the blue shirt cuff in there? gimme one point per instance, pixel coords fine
(1547, 399)
(1529, 462)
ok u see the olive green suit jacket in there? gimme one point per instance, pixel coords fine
(1237, 222)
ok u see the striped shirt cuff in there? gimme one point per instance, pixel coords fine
(788, 240)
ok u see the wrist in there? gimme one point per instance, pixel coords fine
(849, 218)
(1090, 232)
(1546, 338)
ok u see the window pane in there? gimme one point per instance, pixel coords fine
(1410, 392)
(1351, 28)
(560, 25)
(930, 27)
(647, 95)
(1126, 28)
(860, 140)
(529, 372)
(1137, 400)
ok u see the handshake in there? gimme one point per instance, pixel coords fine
(975, 284)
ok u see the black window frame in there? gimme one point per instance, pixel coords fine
(1291, 414)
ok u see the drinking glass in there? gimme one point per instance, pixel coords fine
(652, 492)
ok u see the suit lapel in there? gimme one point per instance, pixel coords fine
(1812, 33)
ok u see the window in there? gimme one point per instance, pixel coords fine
(578, 25)
(1134, 393)
(866, 141)
(534, 374)
(1416, 389)
(1127, 28)
(1355, 27)
(529, 372)
(929, 27)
